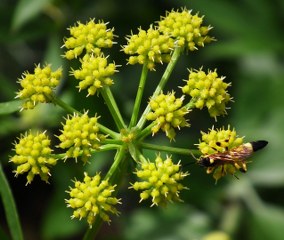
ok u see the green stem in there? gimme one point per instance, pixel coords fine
(117, 159)
(103, 148)
(181, 151)
(162, 83)
(107, 147)
(10, 208)
(113, 108)
(146, 131)
(64, 105)
(71, 110)
(140, 156)
(112, 141)
(108, 131)
(139, 95)
(191, 104)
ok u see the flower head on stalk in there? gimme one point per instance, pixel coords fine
(160, 180)
(149, 47)
(208, 90)
(216, 142)
(80, 135)
(38, 86)
(186, 29)
(168, 114)
(95, 73)
(92, 198)
(33, 155)
(90, 37)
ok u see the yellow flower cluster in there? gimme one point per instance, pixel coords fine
(94, 73)
(38, 86)
(160, 180)
(217, 142)
(92, 198)
(177, 29)
(208, 90)
(33, 155)
(186, 28)
(168, 114)
(80, 135)
(91, 36)
(149, 47)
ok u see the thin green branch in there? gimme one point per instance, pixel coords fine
(139, 95)
(57, 101)
(105, 147)
(146, 131)
(71, 110)
(117, 159)
(181, 151)
(113, 108)
(10, 208)
(108, 147)
(133, 152)
(140, 156)
(162, 83)
(112, 141)
(108, 131)
(191, 104)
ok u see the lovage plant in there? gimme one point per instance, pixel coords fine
(159, 181)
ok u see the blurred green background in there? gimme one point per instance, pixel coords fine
(249, 52)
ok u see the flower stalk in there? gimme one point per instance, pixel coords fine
(139, 95)
(162, 83)
(113, 108)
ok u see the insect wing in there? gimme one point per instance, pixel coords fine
(239, 153)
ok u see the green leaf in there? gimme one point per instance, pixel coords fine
(26, 10)
(10, 107)
(258, 114)
(53, 52)
(56, 215)
(10, 208)
(174, 222)
(267, 223)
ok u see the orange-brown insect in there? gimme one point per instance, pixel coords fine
(236, 156)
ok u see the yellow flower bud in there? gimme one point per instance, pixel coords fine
(168, 113)
(33, 155)
(92, 198)
(39, 86)
(160, 180)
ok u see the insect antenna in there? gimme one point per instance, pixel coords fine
(192, 162)
(236, 176)
(191, 153)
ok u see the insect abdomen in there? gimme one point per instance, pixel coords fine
(257, 145)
